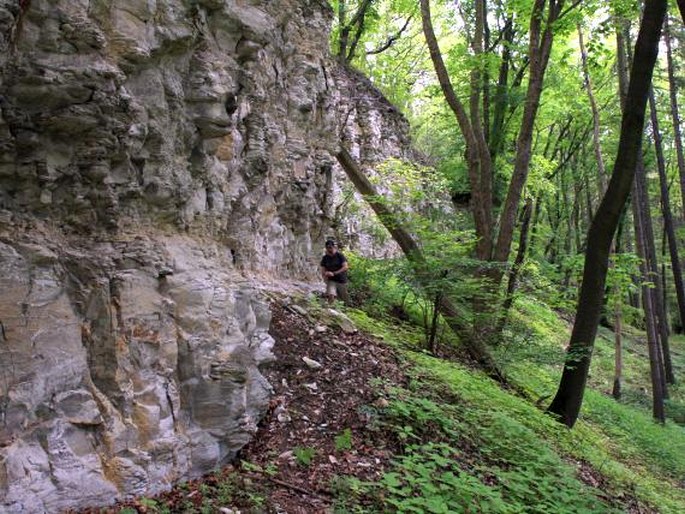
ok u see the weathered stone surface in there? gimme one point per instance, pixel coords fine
(115, 376)
(337, 318)
(152, 156)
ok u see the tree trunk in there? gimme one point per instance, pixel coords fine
(518, 262)
(475, 347)
(648, 303)
(346, 48)
(569, 397)
(681, 8)
(534, 224)
(672, 242)
(618, 327)
(432, 341)
(501, 95)
(596, 128)
(618, 353)
(540, 47)
(675, 116)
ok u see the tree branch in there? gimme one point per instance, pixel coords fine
(391, 40)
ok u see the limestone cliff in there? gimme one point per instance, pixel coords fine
(158, 160)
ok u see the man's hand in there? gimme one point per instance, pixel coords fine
(329, 274)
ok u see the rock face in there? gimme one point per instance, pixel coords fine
(157, 159)
(119, 377)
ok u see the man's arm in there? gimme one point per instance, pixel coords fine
(325, 273)
(344, 268)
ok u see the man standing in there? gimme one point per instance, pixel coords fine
(334, 272)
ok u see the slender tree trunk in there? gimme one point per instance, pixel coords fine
(346, 48)
(554, 218)
(577, 211)
(534, 224)
(649, 305)
(670, 234)
(501, 97)
(344, 30)
(432, 342)
(618, 353)
(518, 262)
(588, 200)
(596, 127)
(675, 116)
(485, 75)
(569, 397)
(618, 326)
(681, 8)
(540, 47)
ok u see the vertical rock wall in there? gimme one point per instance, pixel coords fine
(154, 154)
(208, 116)
(126, 366)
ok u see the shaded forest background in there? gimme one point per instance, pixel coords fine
(533, 118)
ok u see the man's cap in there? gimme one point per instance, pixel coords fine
(330, 242)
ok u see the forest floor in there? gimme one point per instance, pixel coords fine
(321, 431)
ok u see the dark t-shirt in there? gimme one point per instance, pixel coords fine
(334, 263)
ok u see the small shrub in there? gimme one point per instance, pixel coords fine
(343, 441)
(304, 456)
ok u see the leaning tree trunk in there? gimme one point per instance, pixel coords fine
(569, 397)
(681, 8)
(618, 327)
(596, 126)
(652, 303)
(475, 347)
(618, 352)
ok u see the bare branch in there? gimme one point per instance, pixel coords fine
(391, 40)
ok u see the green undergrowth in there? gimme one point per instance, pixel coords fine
(472, 446)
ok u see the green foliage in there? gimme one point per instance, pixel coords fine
(469, 442)
(343, 441)
(304, 456)
(620, 281)
(392, 287)
(512, 469)
(398, 68)
(348, 493)
(520, 446)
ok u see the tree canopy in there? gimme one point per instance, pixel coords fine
(523, 109)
